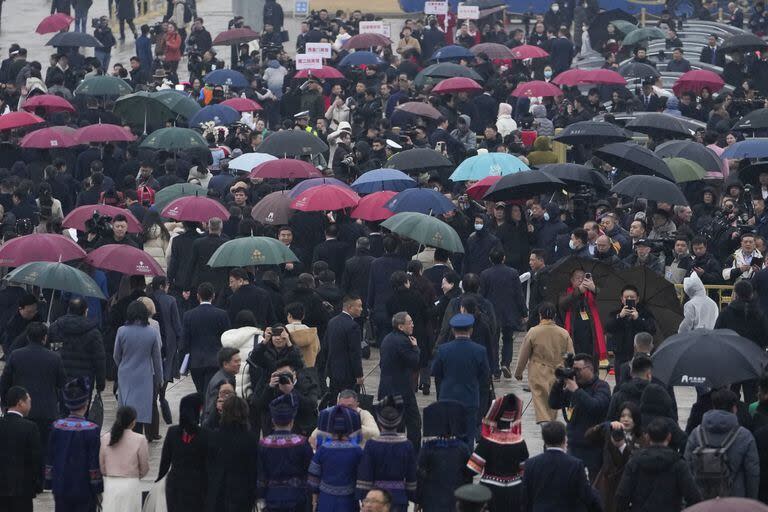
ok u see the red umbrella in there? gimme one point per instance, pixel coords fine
(54, 23)
(456, 84)
(287, 168)
(371, 207)
(326, 73)
(492, 50)
(49, 103)
(478, 190)
(331, 197)
(363, 41)
(419, 108)
(53, 137)
(528, 51)
(14, 120)
(696, 80)
(39, 247)
(77, 218)
(242, 104)
(602, 77)
(124, 259)
(195, 209)
(536, 88)
(235, 36)
(104, 133)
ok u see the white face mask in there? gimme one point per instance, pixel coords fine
(572, 245)
(547, 74)
(555, 8)
(546, 215)
(478, 227)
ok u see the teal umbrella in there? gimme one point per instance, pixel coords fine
(177, 102)
(424, 229)
(55, 276)
(252, 250)
(641, 35)
(175, 139)
(103, 85)
(478, 167)
(152, 109)
(624, 26)
(167, 194)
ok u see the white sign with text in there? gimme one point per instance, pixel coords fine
(304, 61)
(321, 49)
(468, 12)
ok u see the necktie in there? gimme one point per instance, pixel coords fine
(714, 55)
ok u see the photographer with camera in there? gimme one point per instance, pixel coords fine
(103, 33)
(624, 323)
(584, 399)
(199, 39)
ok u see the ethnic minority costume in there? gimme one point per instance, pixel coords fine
(500, 452)
(283, 461)
(389, 463)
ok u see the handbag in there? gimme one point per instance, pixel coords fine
(96, 412)
(364, 399)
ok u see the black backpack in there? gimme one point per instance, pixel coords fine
(711, 467)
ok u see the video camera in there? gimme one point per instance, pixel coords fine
(100, 225)
(567, 371)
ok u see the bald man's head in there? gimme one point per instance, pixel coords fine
(603, 244)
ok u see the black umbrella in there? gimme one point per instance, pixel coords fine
(598, 27)
(660, 126)
(751, 174)
(523, 185)
(710, 358)
(651, 188)
(594, 133)
(417, 158)
(743, 43)
(292, 143)
(635, 159)
(638, 70)
(559, 275)
(74, 39)
(441, 70)
(755, 120)
(693, 151)
(576, 175)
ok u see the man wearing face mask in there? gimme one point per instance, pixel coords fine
(553, 18)
(479, 247)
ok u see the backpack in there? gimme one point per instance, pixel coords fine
(711, 467)
(145, 195)
(112, 197)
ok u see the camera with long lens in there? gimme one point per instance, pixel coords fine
(567, 371)
(100, 225)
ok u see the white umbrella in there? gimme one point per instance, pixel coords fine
(248, 161)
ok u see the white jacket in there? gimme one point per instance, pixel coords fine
(700, 312)
(242, 339)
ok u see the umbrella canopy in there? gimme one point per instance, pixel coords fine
(292, 143)
(638, 70)
(182, 105)
(251, 250)
(642, 35)
(751, 173)
(80, 217)
(712, 358)
(325, 73)
(103, 133)
(577, 175)
(235, 36)
(371, 207)
(247, 161)
(592, 133)
(141, 108)
(696, 80)
(728, 505)
(242, 104)
(418, 158)
(528, 51)
(194, 209)
(361, 58)
(422, 200)
(14, 120)
(456, 84)
(74, 39)
(743, 43)
(221, 115)
(523, 185)
(286, 169)
(175, 139)
(326, 198)
(658, 125)
(694, 151)
(573, 77)
(425, 229)
(54, 23)
(750, 148)
(560, 275)
(167, 194)
(56, 276)
(651, 188)
(49, 138)
(49, 103)
(755, 120)
(537, 88)
(316, 182)
(39, 247)
(124, 259)
(441, 70)
(489, 164)
(421, 109)
(479, 189)
(634, 158)
(452, 52)
(103, 85)
(492, 50)
(384, 179)
(361, 41)
(273, 209)
(598, 26)
(226, 77)
(685, 170)
(624, 26)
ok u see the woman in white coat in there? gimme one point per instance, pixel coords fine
(504, 122)
(156, 238)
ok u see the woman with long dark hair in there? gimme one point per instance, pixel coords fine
(156, 238)
(124, 461)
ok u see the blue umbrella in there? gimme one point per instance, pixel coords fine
(226, 77)
(314, 182)
(490, 164)
(452, 52)
(222, 115)
(749, 148)
(383, 179)
(420, 200)
(360, 58)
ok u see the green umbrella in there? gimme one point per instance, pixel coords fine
(173, 139)
(103, 85)
(624, 26)
(182, 105)
(643, 34)
(252, 250)
(685, 170)
(168, 194)
(424, 229)
(56, 276)
(141, 108)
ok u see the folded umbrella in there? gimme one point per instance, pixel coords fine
(54, 23)
(418, 158)
(696, 80)
(494, 51)
(273, 209)
(74, 39)
(251, 251)
(685, 170)
(425, 229)
(124, 259)
(360, 58)
(694, 151)
(592, 133)
(285, 169)
(479, 189)
(379, 180)
(235, 37)
(369, 40)
(489, 164)
(175, 139)
(371, 207)
(536, 88)
(659, 125)
(456, 84)
(242, 104)
(292, 143)
(651, 188)
(577, 175)
(55, 276)
(452, 52)
(528, 51)
(247, 161)
(80, 217)
(750, 148)
(50, 138)
(523, 185)
(634, 158)
(326, 198)
(39, 247)
(226, 77)
(744, 43)
(419, 108)
(325, 73)
(221, 115)
(167, 194)
(103, 133)
(103, 85)
(49, 103)
(316, 182)
(421, 200)
(15, 120)
(194, 209)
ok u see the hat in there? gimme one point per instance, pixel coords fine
(302, 114)
(283, 409)
(237, 152)
(462, 321)
(77, 393)
(394, 145)
(160, 73)
(339, 420)
(389, 412)
(644, 242)
(473, 493)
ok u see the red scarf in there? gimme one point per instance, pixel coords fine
(599, 336)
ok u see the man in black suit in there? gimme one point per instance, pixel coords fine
(21, 466)
(649, 101)
(436, 272)
(202, 250)
(379, 288)
(180, 265)
(202, 329)
(712, 53)
(554, 480)
(340, 358)
(332, 251)
(357, 269)
(246, 295)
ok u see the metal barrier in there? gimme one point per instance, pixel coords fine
(723, 292)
